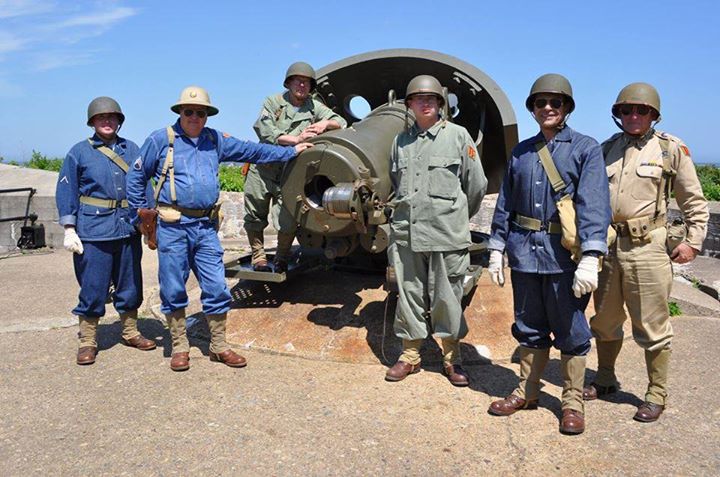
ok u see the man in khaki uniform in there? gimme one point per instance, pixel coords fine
(643, 166)
(286, 119)
(439, 184)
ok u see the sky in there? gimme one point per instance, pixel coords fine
(56, 56)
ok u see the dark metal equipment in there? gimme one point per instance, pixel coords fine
(33, 235)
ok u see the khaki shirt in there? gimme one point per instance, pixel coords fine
(439, 184)
(634, 168)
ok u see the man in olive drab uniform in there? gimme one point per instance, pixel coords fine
(439, 184)
(550, 291)
(286, 119)
(643, 166)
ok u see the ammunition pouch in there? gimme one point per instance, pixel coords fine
(639, 228)
(168, 213)
(148, 226)
(676, 234)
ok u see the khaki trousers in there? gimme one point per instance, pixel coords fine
(639, 276)
(451, 352)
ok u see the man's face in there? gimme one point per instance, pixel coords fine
(549, 110)
(426, 107)
(106, 125)
(193, 119)
(636, 118)
(299, 87)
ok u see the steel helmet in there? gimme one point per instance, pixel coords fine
(637, 93)
(197, 96)
(551, 83)
(300, 68)
(104, 105)
(425, 84)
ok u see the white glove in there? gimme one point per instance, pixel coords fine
(586, 276)
(72, 242)
(495, 267)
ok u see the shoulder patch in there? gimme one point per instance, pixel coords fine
(471, 152)
(685, 149)
(226, 135)
(137, 165)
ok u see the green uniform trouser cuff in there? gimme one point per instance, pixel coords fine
(176, 324)
(129, 324)
(573, 373)
(607, 352)
(658, 365)
(532, 365)
(411, 351)
(451, 352)
(216, 324)
(87, 332)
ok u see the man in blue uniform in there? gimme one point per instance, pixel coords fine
(183, 159)
(106, 248)
(550, 291)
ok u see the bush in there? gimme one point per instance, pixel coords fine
(710, 180)
(231, 178)
(39, 161)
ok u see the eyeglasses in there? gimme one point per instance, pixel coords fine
(424, 99)
(640, 109)
(200, 113)
(555, 103)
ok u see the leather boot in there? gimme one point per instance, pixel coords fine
(658, 364)
(219, 349)
(180, 345)
(451, 363)
(573, 371)
(257, 246)
(408, 363)
(87, 334)
(131, 335)
(605, 381)
(525, 396)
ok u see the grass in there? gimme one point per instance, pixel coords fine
(674, 309)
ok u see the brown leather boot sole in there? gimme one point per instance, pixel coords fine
(180, 361)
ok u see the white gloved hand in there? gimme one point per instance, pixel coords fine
(586, 276)
(496, 266)
(72, 242)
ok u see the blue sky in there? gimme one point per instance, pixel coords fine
(56, 56)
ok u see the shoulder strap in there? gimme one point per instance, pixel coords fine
(280, 108)
(607, 145)
(668, 174)
(168, 165)
(110, 154)
(558, 184)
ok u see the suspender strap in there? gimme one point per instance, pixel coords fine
(546, 159)
(668, 174)
(110, 154)
(107, 203)
(168, 165)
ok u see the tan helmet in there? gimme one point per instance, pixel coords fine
(637, 93)
(300, 68)
(195, 95)
(551, 83)
(104, 105)
(425, 84)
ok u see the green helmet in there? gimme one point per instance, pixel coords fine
(425, 84)
(300, 68)
(197, 96)
(104, 105)
(637, 93)
(551, 83)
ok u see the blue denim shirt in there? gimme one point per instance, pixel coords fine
(526, 190)
(88, 172)
(196, 166)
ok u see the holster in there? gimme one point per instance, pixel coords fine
(148, 226)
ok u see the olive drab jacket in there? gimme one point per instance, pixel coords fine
(439, 184)
(278, 117)
(635, 167)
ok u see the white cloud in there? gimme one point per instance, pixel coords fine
(101, 19)
(59, 59)
(18, 8)
(10, 42)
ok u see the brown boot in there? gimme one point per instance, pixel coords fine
(130, 334)
(87, 333)
(573, 372)
(605, 380)
(648, 412)
(572, 422)
(400, 371)
(229, 358)
(257, 247)
(510, 405)
(456, 375)
(86, 355)
(180, 361)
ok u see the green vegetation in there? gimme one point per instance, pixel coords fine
(674, 309)
(40, 161)
(231, 178)
(710, 179)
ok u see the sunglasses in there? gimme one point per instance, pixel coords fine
(555, 103)
(200, 113)
(640, 109)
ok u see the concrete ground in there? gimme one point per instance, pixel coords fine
(128, 414)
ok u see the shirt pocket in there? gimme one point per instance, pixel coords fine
(443, 181)
(400, 171)
(95, 222)
(647, 182)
